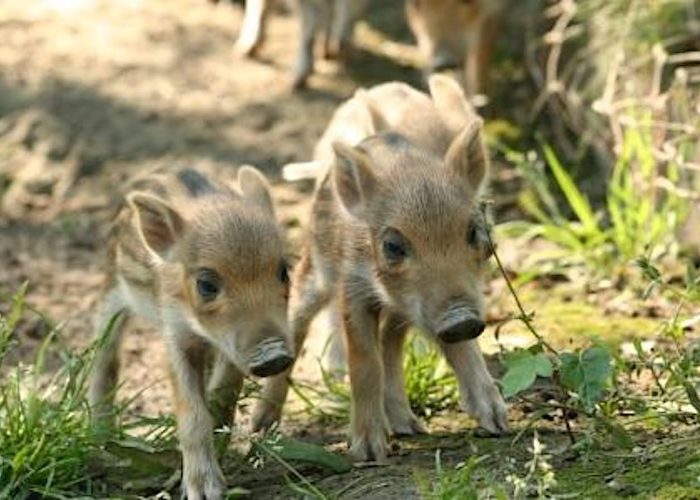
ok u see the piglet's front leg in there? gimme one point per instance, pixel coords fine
(202, 478)
(369, 427)
(478, 392)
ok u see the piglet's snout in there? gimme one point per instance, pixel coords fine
(271, 357)
(457, 327)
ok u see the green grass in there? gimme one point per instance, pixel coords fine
(625, 131)
(568, 319)
(477, 477)
(430, 384)
(45, 433)
(48, 446)
(659, 469)
(50, 449)
(664, 468)
(639, 218)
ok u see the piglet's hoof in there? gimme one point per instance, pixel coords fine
(265, 415)
(491, 412)
(203, 481)
(370, 447)
(405, 423)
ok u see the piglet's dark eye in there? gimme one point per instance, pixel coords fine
(478, 238)
(283, 273)
(394, 246)
(208, 284)
(393, 250)
(473, 235)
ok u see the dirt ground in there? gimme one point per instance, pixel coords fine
(93, 92)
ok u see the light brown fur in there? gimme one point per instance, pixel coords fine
(456, 34)
(398, 236)
(205, 262)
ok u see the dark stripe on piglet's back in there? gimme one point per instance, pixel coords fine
(195, 183)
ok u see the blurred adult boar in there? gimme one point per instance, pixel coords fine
(456, 35)
(334, 19)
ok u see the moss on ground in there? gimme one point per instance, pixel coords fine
(568, 320)
(656, 470)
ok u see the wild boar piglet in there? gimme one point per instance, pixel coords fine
(206, 263)
(398, 236)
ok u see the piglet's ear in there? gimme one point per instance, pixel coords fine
(467, 157)
(372, 120)
(255, 188)
(157, 223)
(353, 179)
(451, 102)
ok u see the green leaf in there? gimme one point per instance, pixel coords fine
(142, 457)
(543, 365)
(587, 374)
(577, 200)
(237, 492)
(294, 450)
(649, 271)
(692, 394)
(523, 367)
(569, 371)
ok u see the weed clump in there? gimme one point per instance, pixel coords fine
(45, 434)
